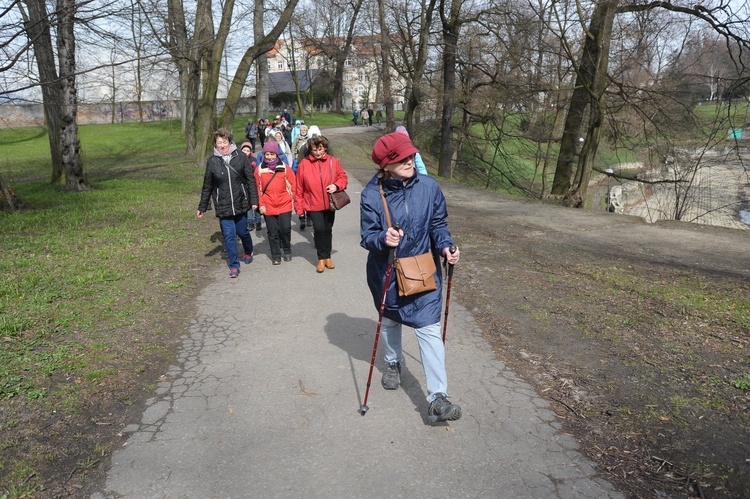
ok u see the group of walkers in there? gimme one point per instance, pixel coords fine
(245, 188)
(366, 114)
(402, 213)
(266, 129)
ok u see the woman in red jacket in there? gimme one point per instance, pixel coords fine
(276, 182)
(318, 174)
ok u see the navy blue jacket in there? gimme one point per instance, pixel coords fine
(232, 186)
(419, 207)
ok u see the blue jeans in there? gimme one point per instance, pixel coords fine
(231, 228)
(431, 350)
(254, 217)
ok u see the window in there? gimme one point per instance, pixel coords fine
(279, 64)
(348, 63)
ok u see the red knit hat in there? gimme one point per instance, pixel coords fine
(392, 148)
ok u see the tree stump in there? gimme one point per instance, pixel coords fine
(8, 199)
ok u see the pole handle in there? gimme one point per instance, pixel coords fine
(448, 267)
(392, 252)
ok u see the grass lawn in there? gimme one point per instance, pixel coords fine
(81, 278)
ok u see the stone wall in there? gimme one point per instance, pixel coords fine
(24, 115)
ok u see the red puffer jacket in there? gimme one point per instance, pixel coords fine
(313, 176)
(277, 194)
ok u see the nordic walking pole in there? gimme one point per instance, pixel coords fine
(448, 294)
(391, 259)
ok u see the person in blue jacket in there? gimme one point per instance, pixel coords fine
(417, 204)
(418, 163)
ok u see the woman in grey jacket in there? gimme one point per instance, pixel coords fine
(230, 183)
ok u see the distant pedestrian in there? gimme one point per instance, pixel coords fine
(319, 174)
(229, 181)
(251, 132)
(299, 151)
(276, 183)
(365, 116)
(379, 116)
(370, 115)
(284, 146)
(355, 117)
(417, 204)
(299, 146)
(418, 163)
(254, 219)
(262, 123)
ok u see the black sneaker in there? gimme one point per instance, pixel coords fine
(392, 376)
(257, 227)
(441, 409)
(288, 257)
(277, 262)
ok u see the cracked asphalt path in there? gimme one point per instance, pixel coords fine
(264, 400)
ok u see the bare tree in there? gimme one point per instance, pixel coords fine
(58, 89)
(413, 22)
(339, 20)
(385, 69)
(451, 19)
(258, 49)
(587, 103)
(137, 34)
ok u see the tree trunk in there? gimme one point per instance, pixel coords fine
(293, 59)
(8, 199)
(451, 26)
(385, 70)
(261, 67)
(178, 49)
(38, 28)
(137, 31)
(211, 47)
(414, 92)
(66, 50)
(588, 91)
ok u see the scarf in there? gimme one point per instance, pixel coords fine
(227, 158)
(271, 165)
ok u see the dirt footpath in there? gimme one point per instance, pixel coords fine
(619, 323)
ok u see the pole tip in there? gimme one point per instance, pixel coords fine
(363, 410)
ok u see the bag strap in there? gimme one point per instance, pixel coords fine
(264, 189)
(385, 205)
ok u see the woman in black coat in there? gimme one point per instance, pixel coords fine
(230, 182)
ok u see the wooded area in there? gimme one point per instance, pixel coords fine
(561, 77)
